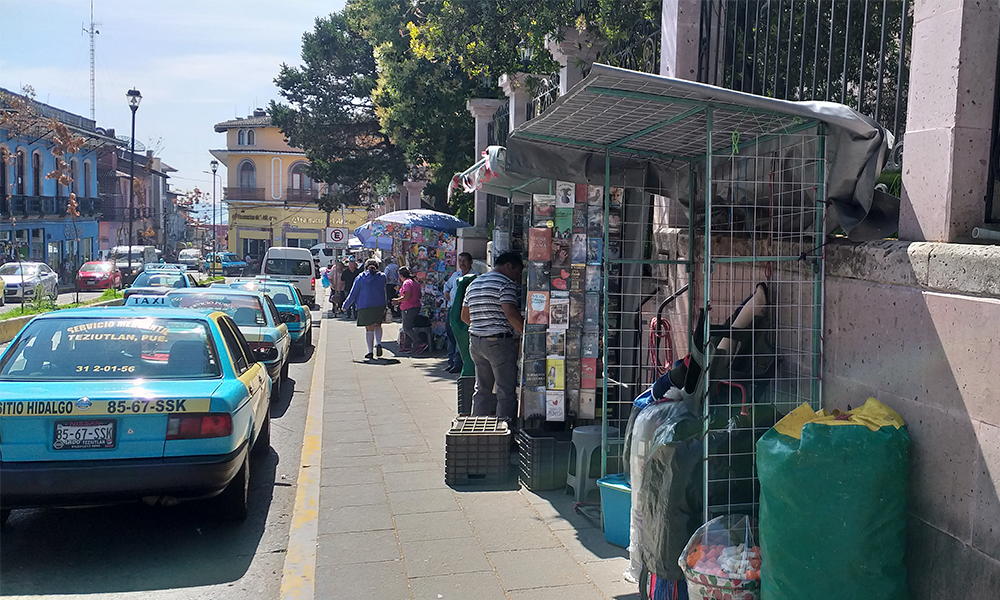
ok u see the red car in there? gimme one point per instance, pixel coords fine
(99, 275)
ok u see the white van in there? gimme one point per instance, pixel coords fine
(325, 256)
(294, 265)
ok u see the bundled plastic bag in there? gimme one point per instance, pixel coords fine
(722, 560)
(833, 504)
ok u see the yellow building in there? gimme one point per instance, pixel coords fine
(271, 201)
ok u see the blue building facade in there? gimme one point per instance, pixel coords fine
(33, 219)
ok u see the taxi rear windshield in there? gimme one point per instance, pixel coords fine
(170, 280)
(115, 348)
(288, 266)
(280, 294)
(245, 310)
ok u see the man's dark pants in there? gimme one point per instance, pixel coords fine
(496, 364)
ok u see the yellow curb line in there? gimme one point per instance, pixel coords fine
(298, 578)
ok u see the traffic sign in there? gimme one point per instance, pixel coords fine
(336, 237)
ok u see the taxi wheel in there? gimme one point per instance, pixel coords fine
(276, 388)
(231, 504)
(309, 339)
(263, 442)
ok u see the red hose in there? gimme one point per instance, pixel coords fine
(659, 329)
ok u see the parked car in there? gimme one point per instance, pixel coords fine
(325, 256)
(75, 432)
(191, 258)
(224, 263)
(159, 280)
(99, 274)
(292, 264)
(130, 260)
(255, 315)
(292, 308)
(28, 280)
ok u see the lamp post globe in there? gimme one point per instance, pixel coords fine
(134, 98)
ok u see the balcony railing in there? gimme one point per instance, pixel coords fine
(301, 196)
(498, 128)
(46, 206)
(544, 94)
(242, 193)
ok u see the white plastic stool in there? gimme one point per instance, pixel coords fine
(580, 476)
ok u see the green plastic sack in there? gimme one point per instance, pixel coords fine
(833, 505)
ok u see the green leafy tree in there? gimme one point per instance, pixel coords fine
(329, 111)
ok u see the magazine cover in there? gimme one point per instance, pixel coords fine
(572, 403)
(615, 221)
(538, 308)
(590, 344)
(560, 252)
(576, 308)
(533, 403)
(595, 221)
(617, 194)
(534, 342)
(578, 250)
(539, 243)
(565, 194)
(543, 210)
(595, 195)
(555, 375)
(614, 250)
(588, 373)
(534, 373)
(555, 344)
(554, 407)
(577, 274)
(563, 222)
(538, 275)
(580, 218)
(592, 281)
(574, 373)
(592, 312)
(558, 313)
(588, 404)
(595, 248)
(581, 193)
(559, 279)
(574, 338)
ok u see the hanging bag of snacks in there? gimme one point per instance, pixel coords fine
(722, 560)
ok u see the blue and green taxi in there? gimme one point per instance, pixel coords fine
(226, 263)
(158, 279)
(108, 405)
(253, 312)
(291, 307)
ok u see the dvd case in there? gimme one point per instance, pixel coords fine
(555, 409)
(560, 252)
(539, 243)
(538, 308)
(559, 279)
(533, 404)
(558, 313)
(565, 194)
(555, 344)
(588, 404)
(538, 275)
(555, 375)
(588, 373)
(595, 249)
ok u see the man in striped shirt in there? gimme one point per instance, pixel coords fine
(491, 310)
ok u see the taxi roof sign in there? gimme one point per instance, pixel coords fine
(146, 300)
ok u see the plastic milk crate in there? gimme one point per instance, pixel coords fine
(477, 450)
(466, 386)
(544, 458)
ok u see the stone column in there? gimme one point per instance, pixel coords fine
(949, 119)
(482, 110)
(413, 191)
(680, 32)
(576, 53)
(517, 92)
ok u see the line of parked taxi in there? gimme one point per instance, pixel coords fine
(163, 399)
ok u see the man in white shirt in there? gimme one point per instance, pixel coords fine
(464, 268)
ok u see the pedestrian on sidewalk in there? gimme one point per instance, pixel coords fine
(368, 296)
(392, 285)
(409, 303)
(347, 278)
(464, 268)
(491, 310)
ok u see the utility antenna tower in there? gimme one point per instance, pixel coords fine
(92, 32)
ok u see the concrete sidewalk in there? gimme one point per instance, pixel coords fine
(390, 529)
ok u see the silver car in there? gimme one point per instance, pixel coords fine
(28, 280)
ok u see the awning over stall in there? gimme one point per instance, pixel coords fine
(647, 127)
(491, 176)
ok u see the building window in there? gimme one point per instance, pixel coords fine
(74, 174)
(241, 138)
(248, 175)
(251, 137)
(19, 183)
(300, 181)
(36, 173)
(4, 169)
(86, 180)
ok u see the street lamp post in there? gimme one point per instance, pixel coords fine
(134, 98)
(215, 244)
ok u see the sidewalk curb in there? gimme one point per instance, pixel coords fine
(298, 578)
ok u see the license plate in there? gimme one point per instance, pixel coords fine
(91, 282)
(84, 435)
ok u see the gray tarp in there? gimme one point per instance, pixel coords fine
(652, 128)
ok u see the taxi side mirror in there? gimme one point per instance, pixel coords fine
(266, 354)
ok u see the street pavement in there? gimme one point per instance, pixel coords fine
(350, 504)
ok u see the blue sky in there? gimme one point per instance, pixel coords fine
(196, 62)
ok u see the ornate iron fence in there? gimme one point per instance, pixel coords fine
(640, 51)
(853, 52)
(499, 127)
(544, 93)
